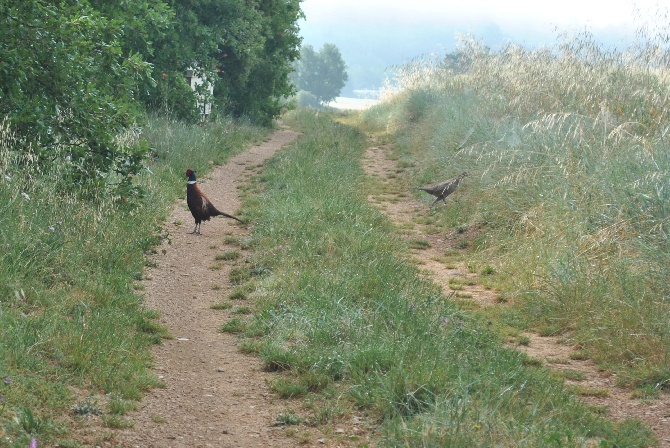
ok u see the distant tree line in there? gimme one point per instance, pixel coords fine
(74, 74)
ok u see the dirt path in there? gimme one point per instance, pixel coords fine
(596, 387)
(214, 396)
(217, 397)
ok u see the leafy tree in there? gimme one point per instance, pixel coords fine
(322, 74)
(257, 89)
(66, 87)
(75, 74)
(245, 46)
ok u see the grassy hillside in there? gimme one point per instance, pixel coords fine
(72, 326)
(356, 330)
(568, 153)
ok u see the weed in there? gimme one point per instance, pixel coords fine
(223, 305)
(234, 325)
(646, 393)
(118, 406)
(572, 375)
(462, 244)
(242, 310)
(523, 340)
(88, 407)
(116, 422)
(251, 347)
(288, 419)
(233, 255)
(238, 276)
(238, 294)
(578, 355)
(419, 244)
(288, 388)
(488, 270)
(590, 391)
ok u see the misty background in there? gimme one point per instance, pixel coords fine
(372, 45)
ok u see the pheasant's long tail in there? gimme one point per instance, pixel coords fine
(219, 212)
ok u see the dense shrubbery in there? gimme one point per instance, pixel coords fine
(74, 75)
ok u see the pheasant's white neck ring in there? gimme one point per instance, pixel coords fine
(191, 182)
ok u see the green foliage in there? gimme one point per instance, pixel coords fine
(75, 76)
(245, 48)
(568, 159)
(321, 74)
(67, 89)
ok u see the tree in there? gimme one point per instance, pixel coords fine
(246, 46)
(322, 74)
(76, 74)
(257, 93)
(67, 88)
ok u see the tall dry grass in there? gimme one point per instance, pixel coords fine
(569, 149)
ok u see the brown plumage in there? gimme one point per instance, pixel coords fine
(444, 189)
(201, 207)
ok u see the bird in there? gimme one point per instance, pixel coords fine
(200, 206)
(444, 189)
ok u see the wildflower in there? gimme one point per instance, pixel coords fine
(8, 380)
(52, 228)
(411, 307)
(33, 443)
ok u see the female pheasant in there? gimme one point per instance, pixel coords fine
(444, 189)
(201, 207)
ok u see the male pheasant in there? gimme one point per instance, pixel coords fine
(201, 207)
(444, 189)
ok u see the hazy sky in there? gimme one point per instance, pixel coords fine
(534, 13)
(374, 35)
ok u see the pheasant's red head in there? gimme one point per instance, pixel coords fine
(191, 175)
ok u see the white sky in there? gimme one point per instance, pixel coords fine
(534, 13)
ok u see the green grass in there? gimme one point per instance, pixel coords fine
(232, 255)
(568, 160)
(223, 305)
(70, 315)
(432, 375)
(234, 325)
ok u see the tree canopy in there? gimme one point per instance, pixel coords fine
(75, 74)
(322, 73)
